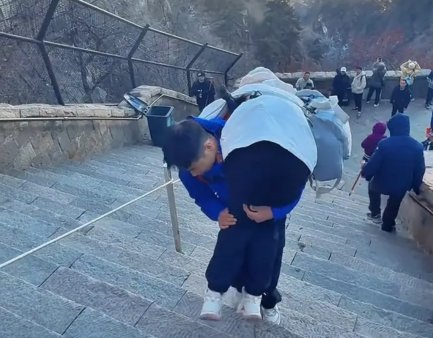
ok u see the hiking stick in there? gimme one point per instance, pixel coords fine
(354, 184)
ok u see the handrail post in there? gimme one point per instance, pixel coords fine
(132, 52)
(190, 64)
(172, 207)
(45, 57)
(226, 79)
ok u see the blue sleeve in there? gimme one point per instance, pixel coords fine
(202, 195)
(419, 172)
(280, 213)
(373, 164)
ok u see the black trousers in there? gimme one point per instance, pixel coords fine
(272, 296)
(378, 91)
(391, 210)
(263, 174)
(396, 109)
(429, 98)
(358, 101)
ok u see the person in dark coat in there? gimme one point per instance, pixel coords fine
(376, 82)
(400, 98)
(371, 141)
(340, 86)
(204, 91)
(429, 98)
(396, 167)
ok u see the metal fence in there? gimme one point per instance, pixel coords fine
(70, 51)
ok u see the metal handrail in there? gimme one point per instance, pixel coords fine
(417, 201)
(42, 44)
(69, 118)
(169, 183)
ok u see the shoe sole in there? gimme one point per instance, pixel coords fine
(210, 316)
(252, 317)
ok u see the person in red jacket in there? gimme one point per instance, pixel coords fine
(371, 141)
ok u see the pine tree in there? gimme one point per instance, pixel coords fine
(277, 37)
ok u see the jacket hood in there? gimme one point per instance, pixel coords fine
(213, 126)
(399, 125)
(379, 128)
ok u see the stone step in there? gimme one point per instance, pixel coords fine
(423, 297)
(12, 325)
(387, 318)
(164, 323)
(145, 262)
(39, 306)
(112, 301)
(378, 299)
(372, 329)
(31, 269)
(23, 241)
(93, 324)
(164, 293)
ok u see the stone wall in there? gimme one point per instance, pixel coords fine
(416, 219)
(40, 143)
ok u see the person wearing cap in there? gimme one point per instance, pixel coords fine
(341, 84)
(376, 82)
(204, 91)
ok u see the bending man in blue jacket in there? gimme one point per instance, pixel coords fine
(235, 193)
(396, 167)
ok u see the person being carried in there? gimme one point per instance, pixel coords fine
(400, 98)
(409, 71)
(396, 167)
(204, 91)
(304, 82)
(371, 141)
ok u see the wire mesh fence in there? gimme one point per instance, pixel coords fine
(70, 51)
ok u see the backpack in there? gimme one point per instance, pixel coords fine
(329, 125)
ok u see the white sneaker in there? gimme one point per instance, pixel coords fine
(250, 307)
(212, 305)
(272, 315)
(376, 105)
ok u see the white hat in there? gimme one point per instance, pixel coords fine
(343, 69)
(411, 65)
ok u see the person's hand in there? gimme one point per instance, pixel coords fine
(226, 219)
(258, 214)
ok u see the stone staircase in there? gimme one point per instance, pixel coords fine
(121, 277)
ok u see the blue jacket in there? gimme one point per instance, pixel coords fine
(210, 191)
(398, 164)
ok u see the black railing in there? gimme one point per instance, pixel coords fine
(71, 51)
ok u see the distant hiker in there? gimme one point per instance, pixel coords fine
(204, 91)
(340, 86)
(358, 85)
(304, 82)
(376, 82)
(429, 99)
(400, 98)
(371, 141)
(409, 70)
(396, 167)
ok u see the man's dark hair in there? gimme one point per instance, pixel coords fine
(183, 144)
(359, 67)
(307, 73)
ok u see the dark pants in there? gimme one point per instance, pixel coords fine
(272, 296)
(391, 210)
(429, 98)
(358, 101)
(396, 109)
(370, 94)
(263, 174)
